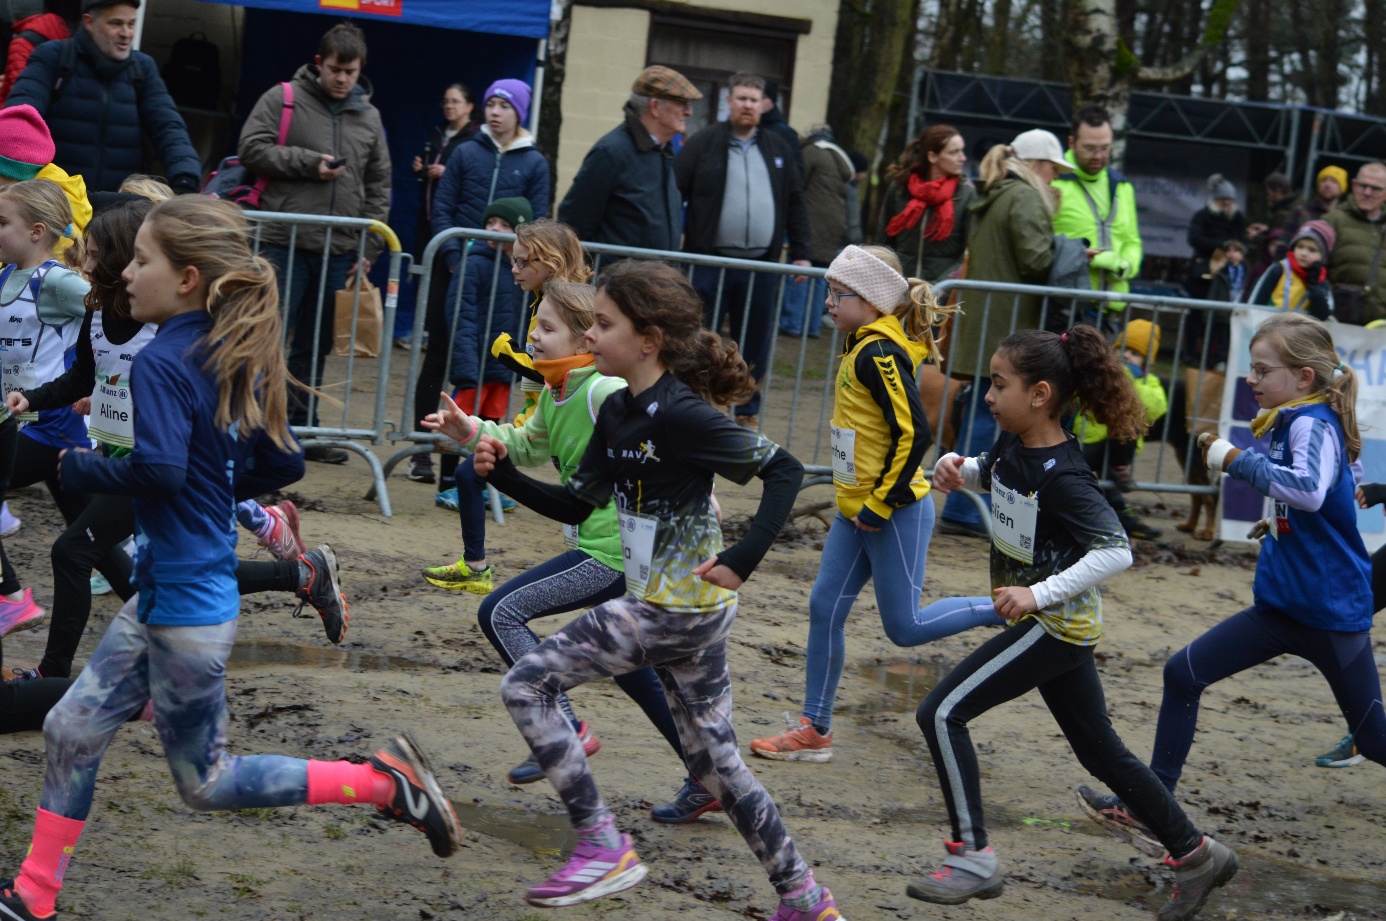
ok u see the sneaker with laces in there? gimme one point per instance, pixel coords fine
(688, 805)
(507, 504)
(1112, 814)
(13, 907)
(324, 592)
(19, 615)
(418, 800)
(965, 874)
(459, 577)
(1342, 755)
(1121, 477)
(421, 469)
(528, 771)
(1195, 878)
(801, 742)
(591, 872)
(283, 540)
(446, 498)
(825, 910)
(1136, 529)
(9, 525)
(23, 674)
(98, 584)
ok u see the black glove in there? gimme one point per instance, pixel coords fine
(1373, 494)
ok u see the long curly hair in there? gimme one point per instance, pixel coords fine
(1080, 365)
(110, 247)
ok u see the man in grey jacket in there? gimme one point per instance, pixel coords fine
(333, 162)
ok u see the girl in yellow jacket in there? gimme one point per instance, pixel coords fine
(884, 518)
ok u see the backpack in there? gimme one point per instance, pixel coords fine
(193, 72)
(232, 182)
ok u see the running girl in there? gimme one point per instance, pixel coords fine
(590, 572)
(1308, 399)
(884, 517)
(39, 301)
(210, 424)
(1055, 539)
(655, 449)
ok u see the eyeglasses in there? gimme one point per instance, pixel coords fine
(1259, 372)
(1090, 150)
(837, 296)
(1368, 187)
(525, 263)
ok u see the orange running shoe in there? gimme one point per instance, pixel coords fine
(801, 742)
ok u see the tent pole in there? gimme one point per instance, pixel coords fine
(540, 58)
(139, 25)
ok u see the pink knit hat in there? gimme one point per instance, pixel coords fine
(25, 144)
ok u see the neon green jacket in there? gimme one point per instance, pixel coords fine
(1085, 200)
(1152, 394)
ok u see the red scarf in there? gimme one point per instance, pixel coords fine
(1320, 270)
(934, 193)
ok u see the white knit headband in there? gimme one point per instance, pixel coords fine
(863, 273)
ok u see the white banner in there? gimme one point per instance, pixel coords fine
(1365, 351)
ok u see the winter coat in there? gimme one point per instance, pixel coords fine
(101, 119)
(468, 344)
(478, 173)
(353, 131)
(1011, 240)
(443, 147)
(931, 260)
(701, 170)
(50, 25)
(773, 121)
(827, 171)
(625, 192)
(1209, 229)
(1358, 256)
(1316, 299)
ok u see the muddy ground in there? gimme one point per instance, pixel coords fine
(1313, 842)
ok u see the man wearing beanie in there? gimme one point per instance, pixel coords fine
(332, 118)
(625, 192)
(1218, 221)
(26, 152)
(1355, 266)
(98, 96)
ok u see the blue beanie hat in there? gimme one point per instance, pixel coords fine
(515, 92)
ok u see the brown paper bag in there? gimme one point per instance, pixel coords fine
(369, 322)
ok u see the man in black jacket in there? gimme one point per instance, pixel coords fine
(99, 96)
(744, 194)
(625, 193)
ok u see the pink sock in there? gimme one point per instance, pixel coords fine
(805, 895)
(50, 851)
(344, 782)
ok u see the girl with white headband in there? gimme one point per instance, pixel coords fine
(883, 524)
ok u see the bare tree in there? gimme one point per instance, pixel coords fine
(874, 40)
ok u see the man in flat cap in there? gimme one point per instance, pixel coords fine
(625, 192)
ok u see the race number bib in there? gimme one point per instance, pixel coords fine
(570, 536)
(844, 456)
(112, 415)
(1013, 521)
(16, 377)
(637, 547)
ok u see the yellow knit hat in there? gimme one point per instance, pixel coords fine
(1338, 174)
(1141, 337)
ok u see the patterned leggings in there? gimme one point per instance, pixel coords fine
(183, 670)
(689, 653)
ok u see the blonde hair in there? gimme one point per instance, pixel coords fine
(573, 303)
(1303, 342)
(920, 311)
(1001, 160)
(42, 201)
(150, 187)
(246, 352)
(556, 248)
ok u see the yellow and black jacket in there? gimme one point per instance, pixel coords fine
(879, 431)
(522, 363)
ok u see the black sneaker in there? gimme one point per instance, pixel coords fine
(1137, 529)
(325, 454)
(12, 906)
(23, 674)
(421, 469)
(1195, 878)
(1112, 814)
(692, 801)
(324, 592)
(1121, 477)
(418, 800)
(962, 529)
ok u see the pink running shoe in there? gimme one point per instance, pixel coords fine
(19, 615)
(825, 910)
(590, 873)
(283, 540)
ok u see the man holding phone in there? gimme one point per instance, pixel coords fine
(334, 162)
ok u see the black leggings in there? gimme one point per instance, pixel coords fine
(93, 540)
(1005, 667)
(438, 325)
(1379, 579)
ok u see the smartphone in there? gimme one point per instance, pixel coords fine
(339, 161)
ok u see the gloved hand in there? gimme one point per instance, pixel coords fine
(1260, 529)
(1218, 453)
(1369, 494)
(1110, 261)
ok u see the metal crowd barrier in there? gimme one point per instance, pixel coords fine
(339, 423)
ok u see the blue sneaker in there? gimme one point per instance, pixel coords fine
(446, 499)
(688, 805)
(1342, 755)
(99, 585)
(507, 503)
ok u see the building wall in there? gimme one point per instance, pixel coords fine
(607, 48)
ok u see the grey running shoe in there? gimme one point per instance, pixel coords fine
(1342, 755)
(1112, 814)
(324, 592)
(1195, 878)
(418, 800)
(965, 874)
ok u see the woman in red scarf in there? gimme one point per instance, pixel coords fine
(925, 214)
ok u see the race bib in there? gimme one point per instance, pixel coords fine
(17, 377)
(637, 548)
(1013, 521)
(570, 536)
(112, 415)
(844, 456)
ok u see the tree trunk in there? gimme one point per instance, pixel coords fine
(1258, 45)
(871, 47)
(999, 42)
(551, 106)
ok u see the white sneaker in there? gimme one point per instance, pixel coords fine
(8, 523)
(99, 585)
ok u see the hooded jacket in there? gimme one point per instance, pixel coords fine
(827, 170)
(625, 192)
(1359, 254)
(50, 25)
(478, 173)
(321, 125)
(488, 291)
(100, 120)
(1114, 200)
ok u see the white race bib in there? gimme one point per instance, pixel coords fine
(570, 536)
(1013, 521)
(17, 377)
(844, 456)
(637, 548)
(112, 415)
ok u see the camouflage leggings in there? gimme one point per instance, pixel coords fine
(689, 653)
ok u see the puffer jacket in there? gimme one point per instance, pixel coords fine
(1359, 256)
(505, 312)
(478, 173)
(320, 126)
(101, 119)
(50, 25)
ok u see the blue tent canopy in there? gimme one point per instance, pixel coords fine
(524, 18)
